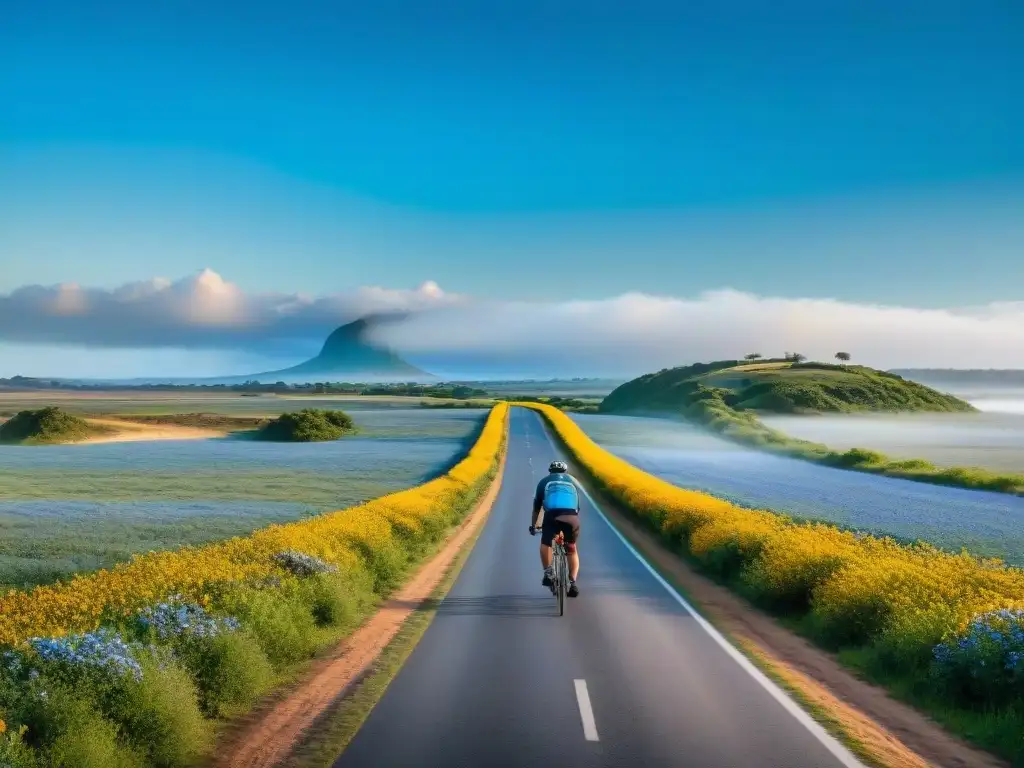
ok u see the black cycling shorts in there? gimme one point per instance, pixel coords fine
(566, 522)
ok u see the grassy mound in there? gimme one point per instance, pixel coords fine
(46, 425)
(307, 426)
(781, 387)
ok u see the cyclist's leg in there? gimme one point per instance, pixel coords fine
(547, 532)
(570, 525)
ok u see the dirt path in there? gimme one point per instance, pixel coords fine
(890, 729)
(133, 431)
(271, 734)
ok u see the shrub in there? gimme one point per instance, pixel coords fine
(336, 600)
(230, 670)
(44, 425)
(160, 715)
(308, 425)
(69, 732)
(984, 661)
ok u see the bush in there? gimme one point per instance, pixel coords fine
(160, 715)
(337, 600)
(308, 425)
(45, 425)
(69, 732)
(984, 661)
(281, 623)
(230, 670)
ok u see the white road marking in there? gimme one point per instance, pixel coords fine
(841, 753)
(586, 711)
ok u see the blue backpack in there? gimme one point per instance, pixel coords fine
(560, 494)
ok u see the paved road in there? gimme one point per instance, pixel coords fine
(628, 677)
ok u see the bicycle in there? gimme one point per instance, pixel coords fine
(560, 564)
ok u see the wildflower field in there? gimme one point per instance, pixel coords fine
(945, 631)
(132, 666)
(68, 509)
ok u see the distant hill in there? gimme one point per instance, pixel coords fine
(347, 356)
(778, 387)
(964, 377)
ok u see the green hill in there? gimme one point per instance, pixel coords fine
(46, 425)
(778, 387)
(727, 395)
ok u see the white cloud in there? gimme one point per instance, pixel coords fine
(201, 311)
(621, 335)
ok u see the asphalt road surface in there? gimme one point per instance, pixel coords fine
(627, 677)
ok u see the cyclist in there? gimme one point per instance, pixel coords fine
(558, 494)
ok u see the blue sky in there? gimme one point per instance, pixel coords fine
(867, 151)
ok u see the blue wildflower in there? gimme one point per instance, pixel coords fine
(103, 650)
(174, 619)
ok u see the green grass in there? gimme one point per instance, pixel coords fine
(47, 425)
(723, 400)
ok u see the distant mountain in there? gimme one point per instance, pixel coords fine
(348, 355)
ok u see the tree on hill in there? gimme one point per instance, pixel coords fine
(843, 357)
(753, 356)
(795, 357)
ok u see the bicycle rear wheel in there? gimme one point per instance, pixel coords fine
(563, 580)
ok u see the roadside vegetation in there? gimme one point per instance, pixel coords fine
(46, 426)
(307, 426)
(943, 631)
(726, 396)
(135, 666)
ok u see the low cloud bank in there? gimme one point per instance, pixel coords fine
(622, 335)
(635, 332)
(203, 311)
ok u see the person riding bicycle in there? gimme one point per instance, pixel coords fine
(558, 494)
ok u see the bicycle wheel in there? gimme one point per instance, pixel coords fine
(563, 580)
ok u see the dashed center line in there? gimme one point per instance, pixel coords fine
(586, 711)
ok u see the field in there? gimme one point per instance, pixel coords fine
(990, 440)
(65, 509)
(984, 522)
